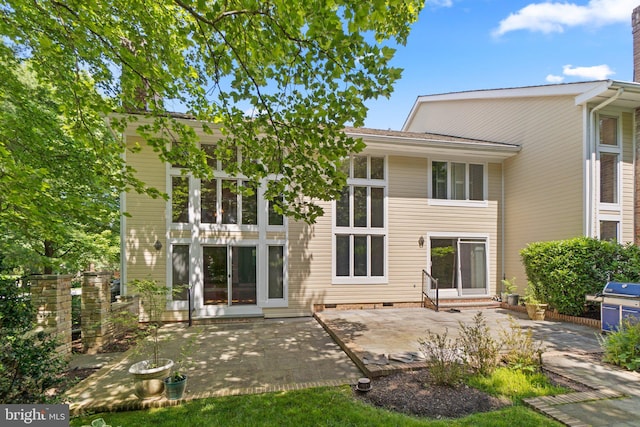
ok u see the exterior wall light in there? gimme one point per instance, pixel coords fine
(157, 245)
(421, 241)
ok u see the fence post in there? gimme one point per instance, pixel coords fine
(51, 296)
(95, 308)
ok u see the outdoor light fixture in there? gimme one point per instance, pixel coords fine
(157, 245)
(421, 241)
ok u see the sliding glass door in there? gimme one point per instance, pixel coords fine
(229, 275)
(460, 265)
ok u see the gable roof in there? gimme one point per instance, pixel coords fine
(401, 142)
(584, 92)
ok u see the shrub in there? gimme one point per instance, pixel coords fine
(479, 348)
(564, 272)
(444, 357)
(622, 347)
(522, 352)
(29, 363)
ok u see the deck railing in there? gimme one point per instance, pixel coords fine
(430, 292)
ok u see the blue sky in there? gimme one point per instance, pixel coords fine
(459, 45)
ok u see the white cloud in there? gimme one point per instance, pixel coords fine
(551, 78)
(552, 17)
(596, 72)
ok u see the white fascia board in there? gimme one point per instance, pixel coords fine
(426, 148)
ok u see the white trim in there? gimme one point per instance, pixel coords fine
(367, 231)
(458, 202)
(609, 149)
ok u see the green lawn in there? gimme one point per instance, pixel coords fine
(324, 406)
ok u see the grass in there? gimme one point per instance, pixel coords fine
(515, 384)
(335, 406)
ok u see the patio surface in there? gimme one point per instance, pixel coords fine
(258, 355)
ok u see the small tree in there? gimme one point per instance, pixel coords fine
(154, 299)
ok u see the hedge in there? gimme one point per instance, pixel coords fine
(563, 272)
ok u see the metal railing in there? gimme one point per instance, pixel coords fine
(432, 293)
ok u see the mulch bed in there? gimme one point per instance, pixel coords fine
(412, 393)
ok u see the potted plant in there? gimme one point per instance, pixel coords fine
(535, 303)
(176, 383)
(148, 373)
(508, 288)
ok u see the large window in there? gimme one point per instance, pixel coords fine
(360, 221)
(457, 181)
(609, 159)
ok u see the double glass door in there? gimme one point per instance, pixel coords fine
(229, 275)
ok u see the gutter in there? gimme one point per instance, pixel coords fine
(592, 201)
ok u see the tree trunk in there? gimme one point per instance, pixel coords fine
(49, 251)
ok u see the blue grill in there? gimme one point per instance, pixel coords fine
(620, 301)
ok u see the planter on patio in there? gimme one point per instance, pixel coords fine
(536, 311)
(148, 378)
(512, 299)
(174, 388)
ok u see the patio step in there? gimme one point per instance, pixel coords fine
(467, 304)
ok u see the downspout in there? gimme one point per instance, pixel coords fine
(591, 225)
(502, 227)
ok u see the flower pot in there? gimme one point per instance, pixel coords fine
(173, 389)
(148, 379)
(512, 299)
(536, 311)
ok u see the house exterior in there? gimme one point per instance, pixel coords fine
(469, 181)
(368, 250)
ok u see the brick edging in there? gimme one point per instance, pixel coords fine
(552, 315)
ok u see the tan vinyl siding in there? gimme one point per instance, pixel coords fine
(544, 182)
(147, 222)
(409, 217)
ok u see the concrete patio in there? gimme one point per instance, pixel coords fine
(257, 356)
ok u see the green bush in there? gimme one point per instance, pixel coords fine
(521, 351)
(622, 347)
(445, 358)
(479, 348)
(29, 364)
(564, 272)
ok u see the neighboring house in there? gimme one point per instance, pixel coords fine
(472, 179)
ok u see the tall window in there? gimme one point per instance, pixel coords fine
(179, 199)
(457, 181)
(180, 271)
(360, 221)
(609, 155)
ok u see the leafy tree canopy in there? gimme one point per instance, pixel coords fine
(303, 68)
(59, 180)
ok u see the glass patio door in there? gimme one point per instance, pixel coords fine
(460, 265)
(473, 267)
(229, 275)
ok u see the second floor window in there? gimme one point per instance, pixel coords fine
(222, 203)
(457, 181)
